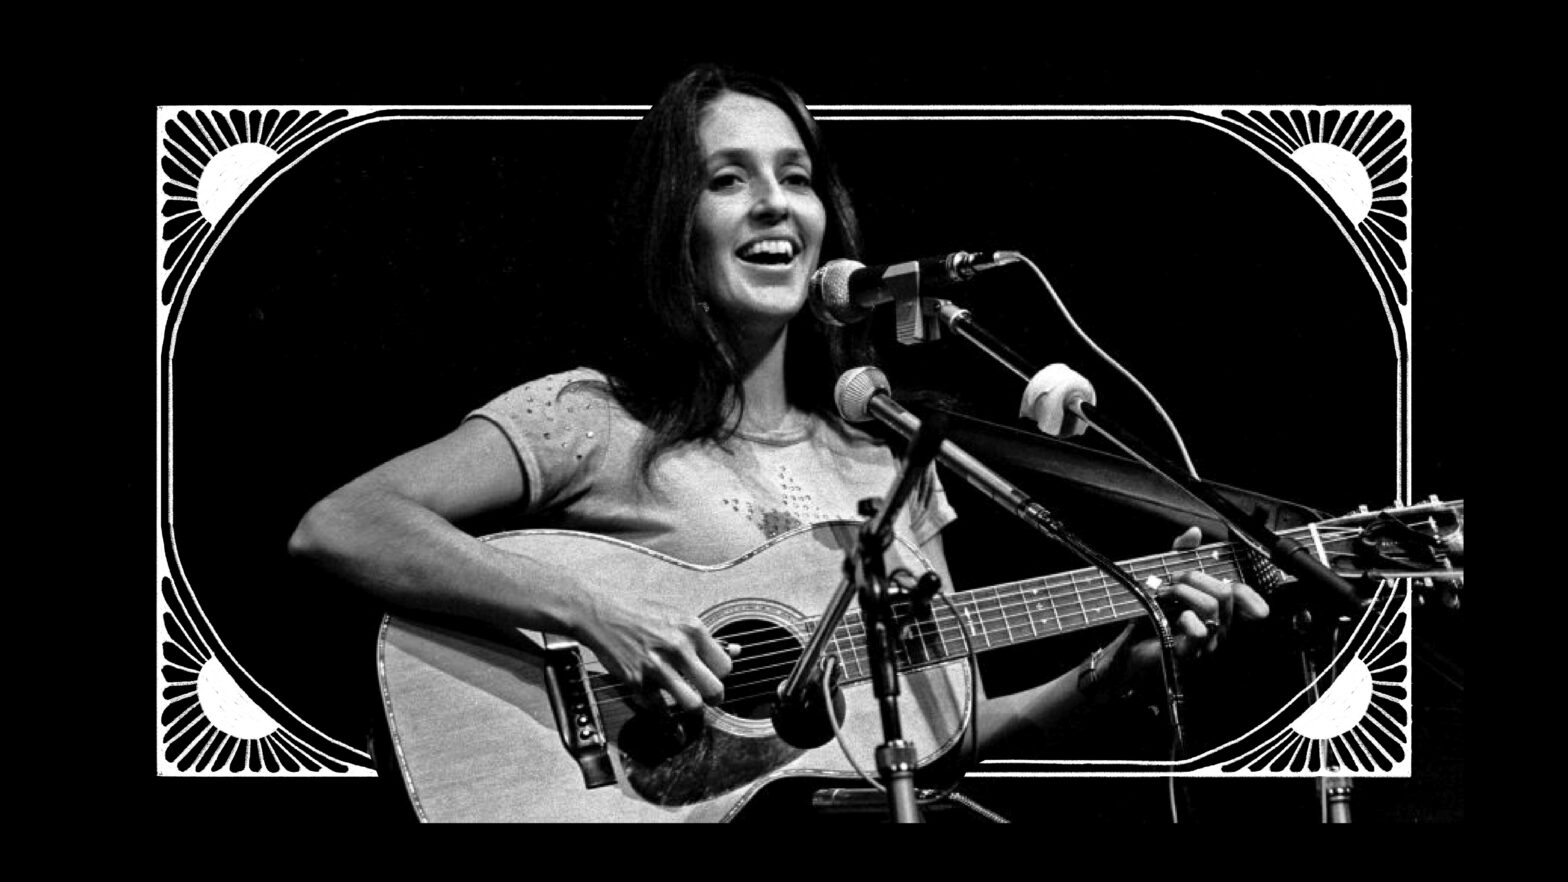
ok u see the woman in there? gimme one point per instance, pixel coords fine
(708, 431)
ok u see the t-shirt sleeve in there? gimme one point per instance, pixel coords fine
(558, 426)
(929, 508)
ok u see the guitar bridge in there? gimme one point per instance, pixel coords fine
(577, 714)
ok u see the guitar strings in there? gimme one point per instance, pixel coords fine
(1216, 560)
(858, 656)
(1070, 593)
(943, 629)
(1220, 560)
(735, 691)
(1016, 604)
(1098, 588)
(940, 630)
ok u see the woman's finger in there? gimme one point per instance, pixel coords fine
(1223, 591)
(714, 656)
(697, 675)
(1205, 604)
(1193, 632)
(686, 698)
(1250, 602)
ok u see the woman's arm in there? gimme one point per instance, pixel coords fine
(390, 532)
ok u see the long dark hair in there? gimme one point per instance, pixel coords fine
(665, 369)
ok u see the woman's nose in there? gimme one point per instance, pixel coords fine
(769, 198)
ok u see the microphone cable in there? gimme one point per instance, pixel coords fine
(1181, 446)
(1165, 417)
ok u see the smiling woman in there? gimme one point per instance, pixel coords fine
(702, 435)
(759, 221)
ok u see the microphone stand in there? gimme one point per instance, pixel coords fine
(878, 403)
(1286, 553)
(799, 716)
(1333, 787)
(867, 569)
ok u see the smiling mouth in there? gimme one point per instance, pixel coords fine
(767, 252)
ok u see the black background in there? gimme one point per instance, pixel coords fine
(409, 271)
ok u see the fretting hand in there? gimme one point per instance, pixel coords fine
(1209, 607)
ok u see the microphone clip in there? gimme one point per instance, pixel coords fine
(914, 316)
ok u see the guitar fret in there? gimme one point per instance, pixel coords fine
(1078, 596)
(1213, 555)
(1029, 616)
(916, 634)
(1056, 614)
(949, 620)
(996, 598)
(851, 623)
(969, 617)
(838, 650)
(1103, 600)
(1008, 601)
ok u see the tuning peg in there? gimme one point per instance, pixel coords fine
(1361, 509)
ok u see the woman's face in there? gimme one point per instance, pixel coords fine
(759, 221)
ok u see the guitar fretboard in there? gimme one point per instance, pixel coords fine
(1033, 609)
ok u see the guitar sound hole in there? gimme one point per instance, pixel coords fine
(768, 653)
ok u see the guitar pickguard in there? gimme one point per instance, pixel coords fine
(713, 763)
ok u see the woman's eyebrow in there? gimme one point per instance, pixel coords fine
(740, 155)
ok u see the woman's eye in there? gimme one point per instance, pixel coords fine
(724, 181)
(798, 179)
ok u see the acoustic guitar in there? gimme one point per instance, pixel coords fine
(522, 726)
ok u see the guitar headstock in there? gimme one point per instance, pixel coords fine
(1423, 542)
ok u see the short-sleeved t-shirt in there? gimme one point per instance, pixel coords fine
(704, 502)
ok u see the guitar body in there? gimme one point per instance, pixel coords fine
(515, 726)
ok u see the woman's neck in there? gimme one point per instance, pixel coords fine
(767, 396)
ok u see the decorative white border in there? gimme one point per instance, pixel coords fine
(293, 133)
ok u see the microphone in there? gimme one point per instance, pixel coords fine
(863, 393)
(845, 291)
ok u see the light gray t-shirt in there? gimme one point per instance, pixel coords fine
(704, 503)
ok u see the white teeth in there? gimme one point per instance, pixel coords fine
(768, 246)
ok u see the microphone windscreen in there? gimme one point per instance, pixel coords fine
(830, 298)
(854, 390)
(1049, 400)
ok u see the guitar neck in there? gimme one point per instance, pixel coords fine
(1034, 609)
